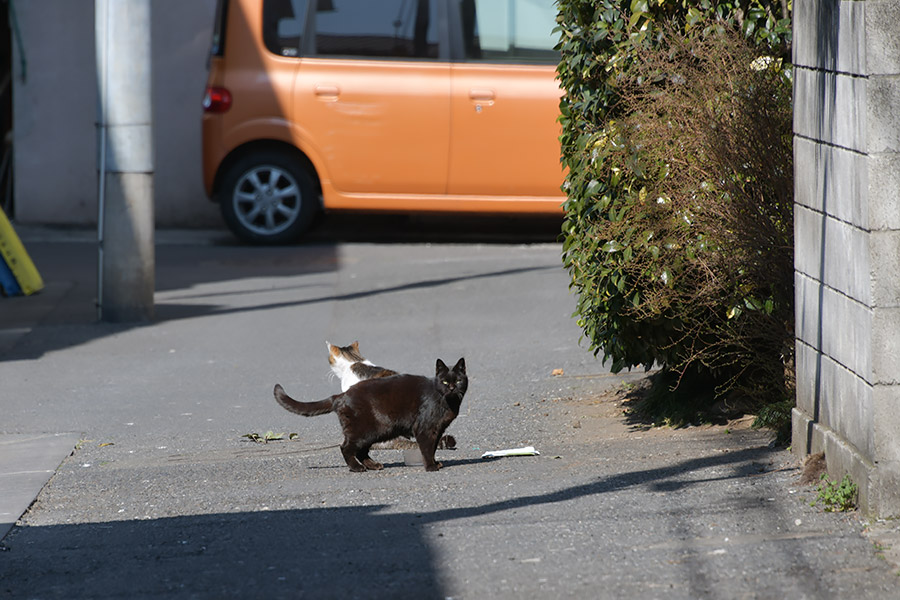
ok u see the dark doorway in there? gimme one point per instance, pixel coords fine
(6, 123)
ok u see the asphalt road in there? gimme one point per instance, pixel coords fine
(163, 497)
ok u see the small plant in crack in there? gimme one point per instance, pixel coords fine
(836, 497)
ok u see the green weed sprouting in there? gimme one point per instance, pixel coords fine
(837, 497)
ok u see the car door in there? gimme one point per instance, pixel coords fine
(372, 97)
(505, 100)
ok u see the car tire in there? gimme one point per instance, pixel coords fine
(268, 197)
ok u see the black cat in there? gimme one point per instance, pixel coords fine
(375, 410)
(351, 367)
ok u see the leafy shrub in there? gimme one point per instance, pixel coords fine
(678, 230)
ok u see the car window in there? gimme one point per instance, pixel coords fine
(383, 29)
(283, 25)
(217, 48)
(509, 30)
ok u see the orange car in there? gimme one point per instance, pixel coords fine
(380, 105)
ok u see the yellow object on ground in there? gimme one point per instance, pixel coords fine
(17, 259)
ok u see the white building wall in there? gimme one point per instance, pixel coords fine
(55, 112)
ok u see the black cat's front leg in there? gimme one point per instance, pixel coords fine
(427, 446)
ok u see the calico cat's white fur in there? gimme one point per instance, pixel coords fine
(350, 366)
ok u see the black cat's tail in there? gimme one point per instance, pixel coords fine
(307, 409)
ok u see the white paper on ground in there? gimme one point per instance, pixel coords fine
(526, 451)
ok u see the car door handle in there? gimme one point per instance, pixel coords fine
(481, 96)
(327, 92)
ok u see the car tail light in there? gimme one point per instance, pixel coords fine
(216, 100)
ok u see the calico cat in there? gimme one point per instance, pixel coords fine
(375, 410)
(350, 366)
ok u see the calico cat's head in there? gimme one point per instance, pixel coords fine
(344, 354)
(452, 380)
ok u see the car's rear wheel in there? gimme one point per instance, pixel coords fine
(268, 198)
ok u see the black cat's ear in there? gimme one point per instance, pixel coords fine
(440, 367)
(460, 366)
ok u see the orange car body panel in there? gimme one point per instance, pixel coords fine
(260, 83)
(411, 136)
(504, 139)
(380, 127)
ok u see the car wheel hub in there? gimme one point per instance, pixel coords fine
(267, 200)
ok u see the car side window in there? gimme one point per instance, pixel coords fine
(509, 31)
(383, 29)
(217, 48)
(283, 25)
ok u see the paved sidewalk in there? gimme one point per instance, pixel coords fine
(26, 464)
(164, 497)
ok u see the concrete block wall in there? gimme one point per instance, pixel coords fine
(847, 241)
(55, 112)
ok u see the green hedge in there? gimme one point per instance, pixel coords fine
(678, 232)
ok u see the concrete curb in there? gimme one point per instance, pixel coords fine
(27, 461)
(88, 235)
